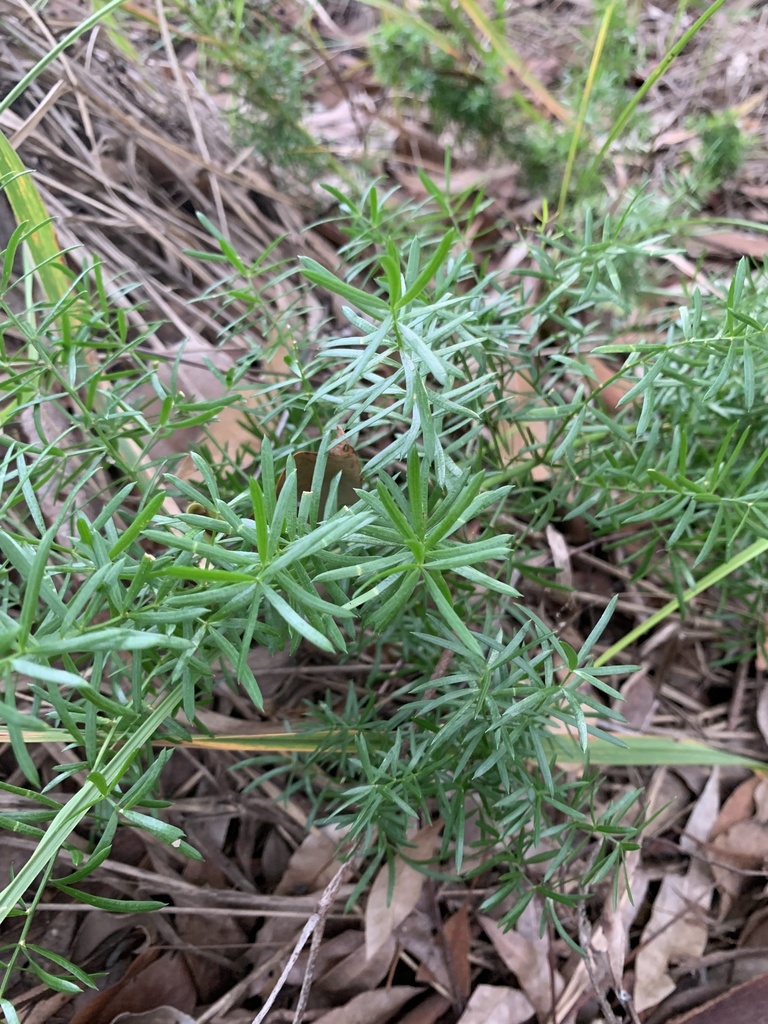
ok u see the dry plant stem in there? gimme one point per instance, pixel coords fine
(202, 900)
(629, 1006)
(441, 668)
(585, 937)
(306, 985)
(314, 926)
(193, 120)
(228, 1000)
(736, 707)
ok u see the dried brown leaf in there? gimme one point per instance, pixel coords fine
(762, 701)
(639, 701)
(742, 848)
(161, 1015)
(495, 1004)
(761, 801)
(49, 423)
(754, 936)
(152, 980)
(739, 243)
(376, 1007)
(678, 929)
(207, 932)
(458, 936)
(356, 972)
(428, 1011)
(331, 952)
(745, 1004)
(527, 954)
(613, 386)
(668, 798)
(312, 865)
(607, 945)
(45, 1010)
(739, 840)
(612, 936)
(274, 934)
(739, 806)
(561, 556)
(418, 936)
(382, 913)
(518, 440)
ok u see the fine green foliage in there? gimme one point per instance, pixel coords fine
(422, 65)
(118, 647)
(119, 614)
(266, 64)
(723, 149)
(131, 651)
(436, 59)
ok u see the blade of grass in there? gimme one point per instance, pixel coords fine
(581, 117)
(658, 72)
(720, 573)
(81, 802)
(648, 750)
(82, 28)
(515, 63)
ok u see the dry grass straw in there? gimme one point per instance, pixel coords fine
(126, 156)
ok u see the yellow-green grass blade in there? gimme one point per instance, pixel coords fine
(80, 803)
(28, 207)
(759, 547)
(51, 55)
(514, 62)
(658, 72)
(581, 117)
(277, 741)
(628, 750)
(648, 751)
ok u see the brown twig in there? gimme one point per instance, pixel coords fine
(314, 927)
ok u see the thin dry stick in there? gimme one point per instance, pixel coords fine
(242, 988)
(625, 998)
(309, 974)
(182, 83)
(585, 936)
(315, 925)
